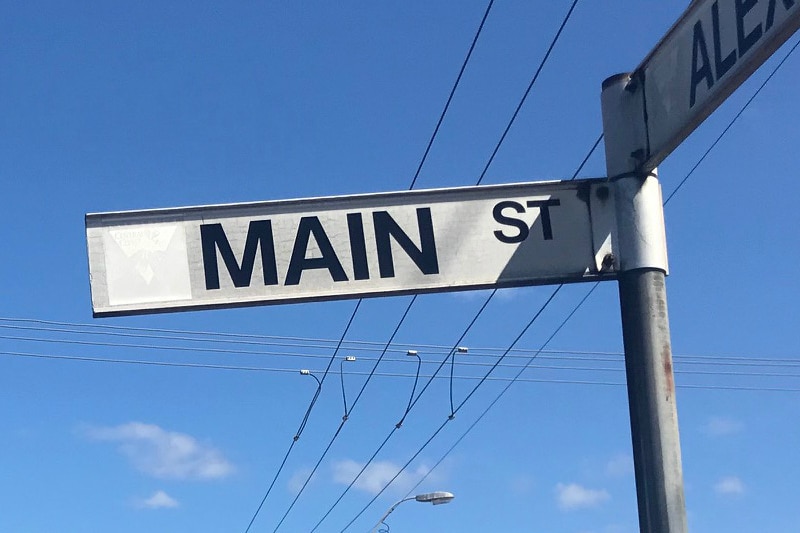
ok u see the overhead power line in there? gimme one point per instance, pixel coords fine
(370, 346)
(575, 309)
(491, 295)
(411, 303)
(168, 364)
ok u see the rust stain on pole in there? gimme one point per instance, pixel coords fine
(668, 374)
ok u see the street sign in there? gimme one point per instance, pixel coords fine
(712, 48)
(350, 246)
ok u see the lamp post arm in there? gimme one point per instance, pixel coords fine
(386, 515)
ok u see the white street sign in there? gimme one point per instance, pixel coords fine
(350, 246)
(703, 58)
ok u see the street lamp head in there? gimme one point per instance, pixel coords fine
(411, 353)
(305, 372)
(436, 498)
(462, 349)
(350, 358)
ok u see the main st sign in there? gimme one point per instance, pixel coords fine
(353, 246)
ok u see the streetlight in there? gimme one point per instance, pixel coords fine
(436, 498)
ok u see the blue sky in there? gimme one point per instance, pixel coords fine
(114, 106)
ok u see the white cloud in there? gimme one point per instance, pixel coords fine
(573, 496)
(721, 426)
(164, 454)
(729, 486)
(620, 466)
(376, 476)
(295, 483)
(159, 500)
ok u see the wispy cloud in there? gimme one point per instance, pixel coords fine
(295, 482)
(164, 454)
(729, 486)
(620, 466)
(573, 496)
(719, 426)
(377, 475)
(159, 500)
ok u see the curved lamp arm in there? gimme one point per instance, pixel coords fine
(436, 498)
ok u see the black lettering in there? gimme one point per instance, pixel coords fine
(746, 42)
(213, 238)
(722, 65)
(424, 257)
(704, 72)
(521, 226)
(358, 246)
(299, 262)
(787, 4)
(544, 207)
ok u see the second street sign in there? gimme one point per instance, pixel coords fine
(350, 246)
(703, 58)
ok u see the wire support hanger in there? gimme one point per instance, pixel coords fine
(411, 353)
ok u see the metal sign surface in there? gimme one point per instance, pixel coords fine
(350, 246)
(703, 58)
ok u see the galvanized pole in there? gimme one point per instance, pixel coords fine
(642, 265)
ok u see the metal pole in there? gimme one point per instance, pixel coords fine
(643, 301)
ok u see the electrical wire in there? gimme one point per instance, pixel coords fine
(575, 309)
(570, 355)
(480, 179)
(450, 96)
(460, 406)
(84, 359)
(305, 419)
(345, 419)
(528, 90)
(411, 303)
(410, 406)
(733, 121)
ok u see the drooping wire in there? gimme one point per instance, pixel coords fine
(305, 419)
(458, 349)
(346, 414)
(450, 418)
(508, 386)
(408, 409)
(458, 342)
(310, 406)
(344, 419)
(413, 182)
(412, 353)
(583, 300)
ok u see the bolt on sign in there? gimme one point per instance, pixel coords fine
(350, 246)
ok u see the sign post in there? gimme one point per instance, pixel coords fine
(711, 49)
(645, 325)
